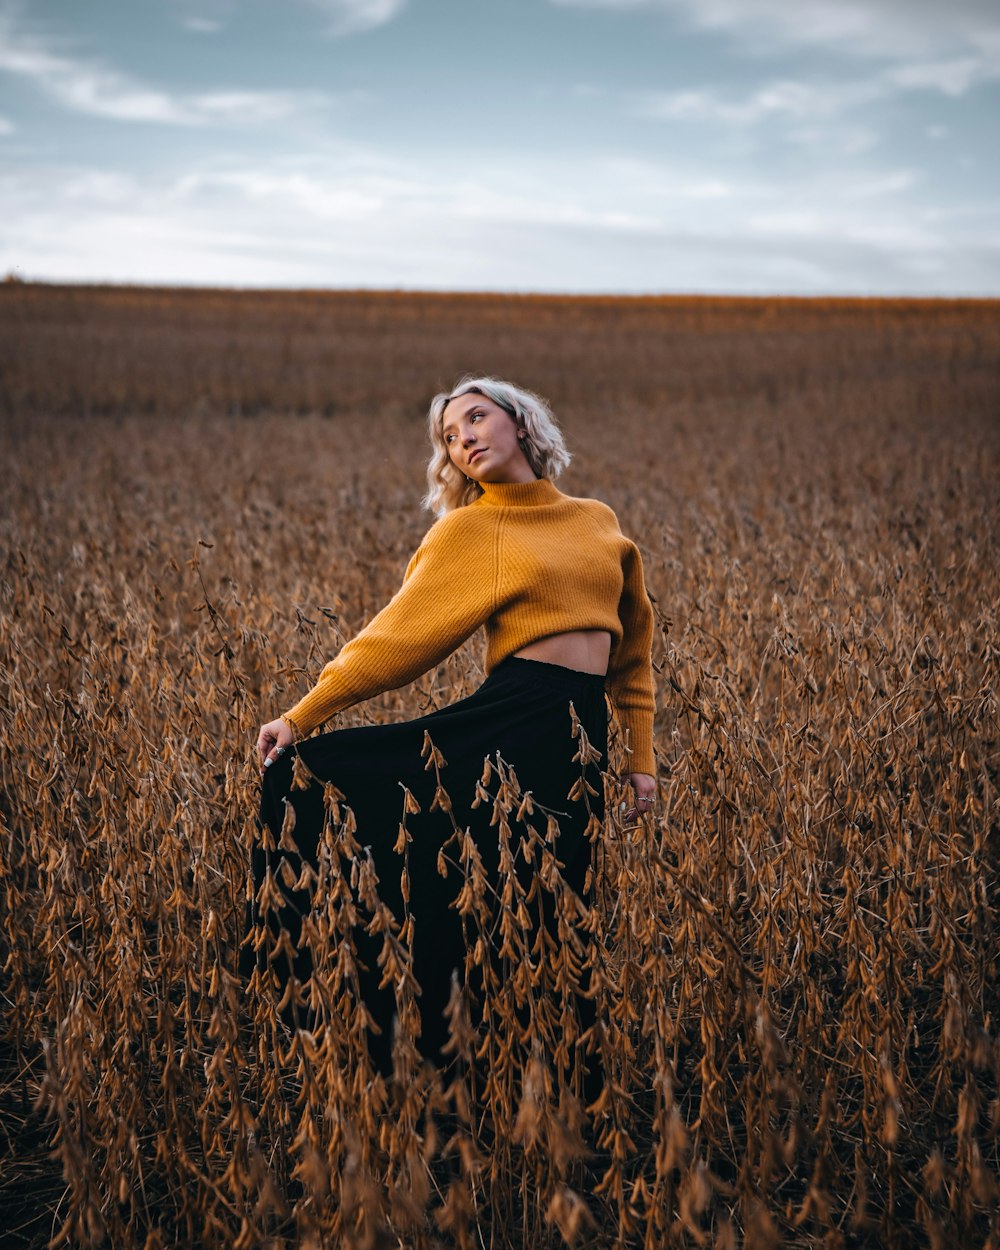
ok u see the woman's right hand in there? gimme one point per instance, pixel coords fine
(273, 741)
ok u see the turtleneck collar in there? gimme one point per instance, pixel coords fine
(537, 494)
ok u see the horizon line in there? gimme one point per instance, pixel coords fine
(12, 279)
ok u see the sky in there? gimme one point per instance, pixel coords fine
(804, 147)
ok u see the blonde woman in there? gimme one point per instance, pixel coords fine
(559, 591)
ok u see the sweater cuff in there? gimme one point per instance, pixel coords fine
(311, 710)
(639, 739)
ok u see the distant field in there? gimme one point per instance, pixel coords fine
(205, 492)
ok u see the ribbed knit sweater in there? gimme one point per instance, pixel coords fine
(525, 561)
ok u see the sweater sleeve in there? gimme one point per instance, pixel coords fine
(444, 598)
(630, 670)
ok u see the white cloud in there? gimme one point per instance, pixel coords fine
(342, 17)
(86, 87)
(834, 138)
(320, 199)
(6, 126)
(606, 223)
(361, 195)
(709, 190)
(951, 77)
(348, 17)
(253, 107)
(97, 187)
(202, 25)
(89, 86)
(798, 101)
(821, 225)
(781, 98)
(891, 183)
(897, 30)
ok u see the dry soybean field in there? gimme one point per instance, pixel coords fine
(793, 962)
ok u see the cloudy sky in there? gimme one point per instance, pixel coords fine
(745, 146)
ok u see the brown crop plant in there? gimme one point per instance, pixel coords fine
(792, 965)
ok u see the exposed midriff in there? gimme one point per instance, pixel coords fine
(585, 650)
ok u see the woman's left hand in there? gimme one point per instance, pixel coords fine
(273, 741)
(644, 789)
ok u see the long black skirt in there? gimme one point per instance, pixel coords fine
(519, 734)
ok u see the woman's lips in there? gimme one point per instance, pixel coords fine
(481, 451)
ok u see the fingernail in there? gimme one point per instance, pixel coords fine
(268, 763)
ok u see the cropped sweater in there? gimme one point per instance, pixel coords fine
(526, 561)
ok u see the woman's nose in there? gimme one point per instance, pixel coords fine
(469, 438)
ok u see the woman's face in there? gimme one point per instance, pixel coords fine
(482, 441)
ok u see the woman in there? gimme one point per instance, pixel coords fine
(560, 593)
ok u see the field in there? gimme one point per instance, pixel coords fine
(205, 493)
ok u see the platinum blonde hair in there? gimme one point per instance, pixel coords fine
(447, 486)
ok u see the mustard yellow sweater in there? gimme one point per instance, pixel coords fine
(526, 561)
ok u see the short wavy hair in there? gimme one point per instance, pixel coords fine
(447, 486)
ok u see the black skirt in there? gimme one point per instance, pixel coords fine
(521, 731)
